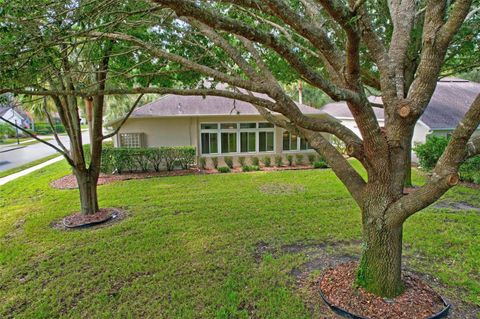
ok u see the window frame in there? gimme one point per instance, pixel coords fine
(139, 135)
(238, 132)
(298, 149)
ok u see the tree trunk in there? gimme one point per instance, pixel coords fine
(379, 271)
(87, 185)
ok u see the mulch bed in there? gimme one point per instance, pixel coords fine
(418, 300)
(70, 182)
(104, 217)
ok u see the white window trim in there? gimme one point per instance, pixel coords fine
(298, 150)
(238, 130)
(140, 136)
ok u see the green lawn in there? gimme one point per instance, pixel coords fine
(188, 247)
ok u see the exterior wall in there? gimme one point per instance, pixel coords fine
(162, 131)
(183, 131)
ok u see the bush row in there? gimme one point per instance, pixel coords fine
(121, 160)
(45, 128)
(429, 153)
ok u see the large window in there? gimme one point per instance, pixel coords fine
(293, 142)
(244, 137)
(131, 140)
(209, 137)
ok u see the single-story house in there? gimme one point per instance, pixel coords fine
(450, 101)
(14, 115)
(216, 126)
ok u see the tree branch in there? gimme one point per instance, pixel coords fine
(134, 106)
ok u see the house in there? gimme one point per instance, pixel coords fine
(216, 126)
(14, 115)
(451, 100)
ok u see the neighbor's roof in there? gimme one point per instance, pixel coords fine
(450, 101)
(4, 109)
(172, 105)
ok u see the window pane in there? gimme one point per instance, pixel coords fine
(229, 142)
(209, 126)
(286, 141)
(293, 141)
(228, 126)
(243, 142)
(205, 143)
(270, 141)
(248, 125)
(131, 140)
(213, 143)
(232, 142)
(265, 143)
(265, 125)
(303, 144)
(251, 142)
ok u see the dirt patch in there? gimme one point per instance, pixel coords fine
(470, 185)
(106, 217)
(281, 189)
(456, 206)
(417, 301)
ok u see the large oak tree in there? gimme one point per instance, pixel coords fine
(343, 48)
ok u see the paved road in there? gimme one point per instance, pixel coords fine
(16, 155)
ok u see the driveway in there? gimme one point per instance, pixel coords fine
(17, 155)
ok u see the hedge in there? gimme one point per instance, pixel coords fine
(429, 153)
(45, 128)
(121, 160)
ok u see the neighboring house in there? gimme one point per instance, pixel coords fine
(450, 101)
(216, 126)
(15, 116)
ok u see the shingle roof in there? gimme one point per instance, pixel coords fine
(190, 105)
(450, 101)
(3, 110)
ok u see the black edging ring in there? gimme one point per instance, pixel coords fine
(344, 313)
(112, 216)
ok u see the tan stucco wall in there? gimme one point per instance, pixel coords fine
(186, 131)
(162, 131)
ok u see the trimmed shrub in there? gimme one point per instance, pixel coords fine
(278, 161)
(46, 129)
(267, 161)
(241, 160)
(224, 169)
(311, 158)
(202, 162)
(155, 159)
(290, 159)
(429, 152)
(185, 156)
(214, 162)
(250, 168)
(299, 159)
(255, 161)
(228, 161)
(6, 130)
(120, 160)
(320, 164)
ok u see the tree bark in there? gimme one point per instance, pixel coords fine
(379, 270)
(87, 185)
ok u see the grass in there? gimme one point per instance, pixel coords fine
(187, 249)
(13, 142)
(28, 165)
(7, 141)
